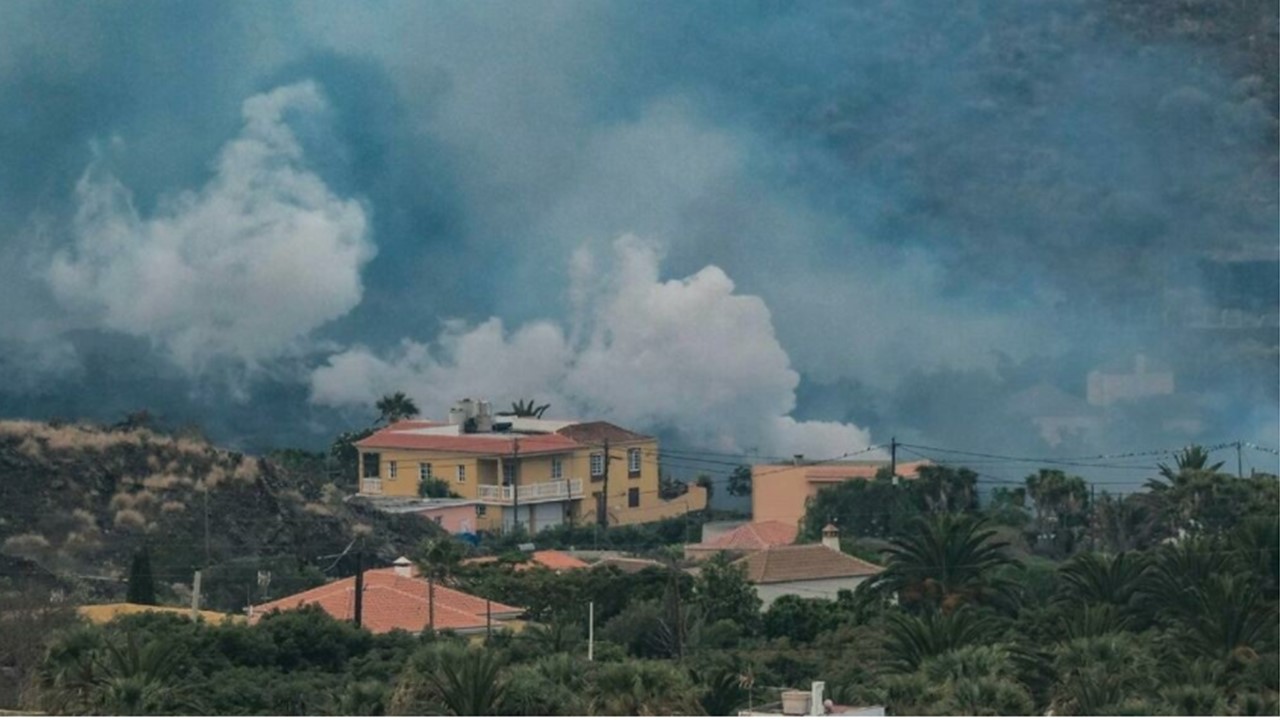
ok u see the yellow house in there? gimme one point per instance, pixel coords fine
(538, 473)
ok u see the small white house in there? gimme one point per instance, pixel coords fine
(809, 571)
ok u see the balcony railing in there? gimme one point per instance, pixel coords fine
(535, 492)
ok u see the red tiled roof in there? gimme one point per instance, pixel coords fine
(550, 559)
(557, 560)
(753, 536)
(394, 602)
(480, 444)
(790, 563)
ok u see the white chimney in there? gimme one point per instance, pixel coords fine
(403, 566)
(484, 416)
(831, 537)
(797, 459)
(457, 416)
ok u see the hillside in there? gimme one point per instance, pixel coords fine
(77, 502)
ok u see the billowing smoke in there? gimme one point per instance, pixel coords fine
(953, 211)
(243, 268)
(688, 355)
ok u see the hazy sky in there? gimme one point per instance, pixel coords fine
(260, 216)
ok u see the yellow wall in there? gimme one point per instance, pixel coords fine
(535, 469)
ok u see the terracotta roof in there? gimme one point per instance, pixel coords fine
(550, 559)
(395, 602)
(789, 563)
(595, 433)
(473, 443)
(753, 536)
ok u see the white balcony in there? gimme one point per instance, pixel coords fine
(552, 490)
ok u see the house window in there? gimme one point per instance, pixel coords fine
(633, 497)
(557, 468)
(508, 473)
(480, 511)
(371, 486)
(597, 465)
(424, 471)
(633, 462)
(391, 469)
(371, 462)
(462, 474)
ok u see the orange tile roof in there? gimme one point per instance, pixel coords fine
(753, 536)
(791, 563)
(557, 560)
(550, 559)
(395, 602)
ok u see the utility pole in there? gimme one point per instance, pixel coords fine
(893, 459)
(206, 521)
(1093, 516)
(359, 609)
(604, 516)
(1239, 461)
(515, 483)
(195, 596)
(591, 631)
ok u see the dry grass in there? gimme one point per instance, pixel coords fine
(31, 447)
(172, 506)
(131, 519)
(247, 470)
(28, 545)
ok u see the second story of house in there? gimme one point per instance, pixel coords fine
(506, 459)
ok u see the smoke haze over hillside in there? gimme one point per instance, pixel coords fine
(759, 227)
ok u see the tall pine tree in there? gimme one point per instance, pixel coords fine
(142, 587)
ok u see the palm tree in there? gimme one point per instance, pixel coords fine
(1109, 579)
(528, 408)
(1230, 618)
(723, 690)
(395, 407)
(1061, 503)
(439, 560)
(946, 561)
(96, 674)
(1193, 457)
(914, 639)
(1096, 674)
(468, 683)
(643, 687)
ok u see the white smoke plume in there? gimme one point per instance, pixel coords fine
(687, 355)
(242, 268)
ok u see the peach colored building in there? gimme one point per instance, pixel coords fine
(780, 492)
(531, 472)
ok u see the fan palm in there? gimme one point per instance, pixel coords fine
(395, 407)
(1229, 617)
(114, 677)
(945, 562)
(1107, 579)
(468, 683)
(914, 639)
(528, 408)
